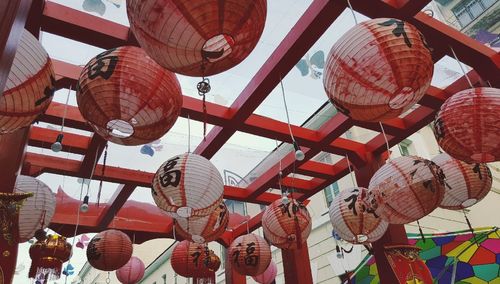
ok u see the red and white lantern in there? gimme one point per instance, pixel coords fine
(406, 189)
(204, 229)
(354, 220)
(465, 184)
(109, 250)
(467, 125)
(250, 254)
(286, 225)
(132, 272)
(197, 38)
(127, 98)
(188, 185)
(30, 85)
(194, 260)
(378, 70)
(268, 276)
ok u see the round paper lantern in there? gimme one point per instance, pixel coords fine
(204, 229)
(467, 125)
(268, 276)
(188, 185)
(132, 272)
(194, 260)
(378, 70)
(250, 254)
(127, 98)
(288, 225)
(48, 255)
(109, 250)
(465, 184)
(197, 38)
(353, 220)
(406, 189)
(37, 211)
(30, 85)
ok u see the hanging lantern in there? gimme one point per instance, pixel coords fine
(132, 272)
(29, 87)
(406, 189)
(10, 205)
(250, 254)
(127, 98)
(467, 125)
(197, 38)
(38, 210)
(188, 185)
(204, 229)
(378, 70)
(268, 276)
(109, 250)
(465, 184)
(48, 255)
(286, 225)
(353, 220)
(194, 260)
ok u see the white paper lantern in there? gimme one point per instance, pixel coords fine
(37, 211)
(204, 229)
(188, 185)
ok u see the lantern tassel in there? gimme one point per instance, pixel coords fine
(204, 119)
(103, 170)
(421, 232)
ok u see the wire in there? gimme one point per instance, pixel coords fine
(189, 134)
(350, 170)
(65, 109)
(286, 110)
(352, 11)
(385, 138)
(461, 67)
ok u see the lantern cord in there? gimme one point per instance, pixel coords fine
(102, 173)
(92, 172)
(280, 173)
(420, 231)
(204, 118)
(189, 134)
(76, 230)
(489, 84)
(470, 226)
(352, 11)
(248, 229)
(286, 111)
(350, 170)
(385, 138)
(203, 88)
(461, 67)
(65, 109)
(173, 230)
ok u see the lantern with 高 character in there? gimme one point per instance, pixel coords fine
(249, 254)
(109, 250)
(203, 229)
(48, 255)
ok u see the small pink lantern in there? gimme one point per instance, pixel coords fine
(132, 272)
(268, 276)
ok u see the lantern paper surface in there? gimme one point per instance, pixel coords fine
(406, 189)
(37, 211)
(250, 254)
(465, 184)
(194, 260)
(268, 276)
(47, 256)
(467, 125)
(127, 98)
(29, 87)
(353, 220)
(204, 229)
(183, 35)
(286, 226)
(109, 250)
(132, 272)
(188, 185)
(378, 70)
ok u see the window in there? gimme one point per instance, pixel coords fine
(236, 207)
(330, 192)
(404, 147)
(469, 10)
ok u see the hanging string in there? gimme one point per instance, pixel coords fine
(470, 226)
(102, 173)
(352, 11)
(386, 141)
(489, 84)
(203, 88)
(286, 111)
(350, 170)
(421, 232)
(248, 229)
(173, 230)
(280, 173)
(461, 67)
(65, 109)
(92, 172)
(76, 230)
(189, 134)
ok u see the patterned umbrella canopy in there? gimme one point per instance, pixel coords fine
(473, 259)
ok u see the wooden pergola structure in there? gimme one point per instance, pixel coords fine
(46, 16)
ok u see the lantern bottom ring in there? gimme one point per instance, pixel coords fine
(361, 238)
(218, 47)
(469, 202)
(198, 239)
(483, 157)
(184, 212)
(120, 128)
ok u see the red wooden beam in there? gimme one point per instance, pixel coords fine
(72, 143)
(93, 153)
(115, 203)
(34, 19)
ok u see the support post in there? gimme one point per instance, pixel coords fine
(395, 234)
(297, 266)
(232, 277)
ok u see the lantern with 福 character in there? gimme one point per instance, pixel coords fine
(353, 220)
(194, 260)
(250, 254)
(197, 38)
(48, 255)
(127, 98)
(109, 250)
(188, 185)
(406, 189)
(268, 276)
(29, 87)
(465, 184)
(286, 224)
(378, 70)
(132, 272)
(203, 229)
(467, 126)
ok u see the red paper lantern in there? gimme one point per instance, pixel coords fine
(467, 125)
(353, 220)
(268, 276)
(197, 38)
(286, 225)
(188, 185)
(30, 85)
(127, 98)
(406, 189)
(194, 260)
(250, 254)
(378, 70)
(109, 250)
(48, 255)
(203, 229)
(132, 272)
(465, 184)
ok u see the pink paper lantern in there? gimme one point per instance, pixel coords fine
(132, 272)
(268, 276)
